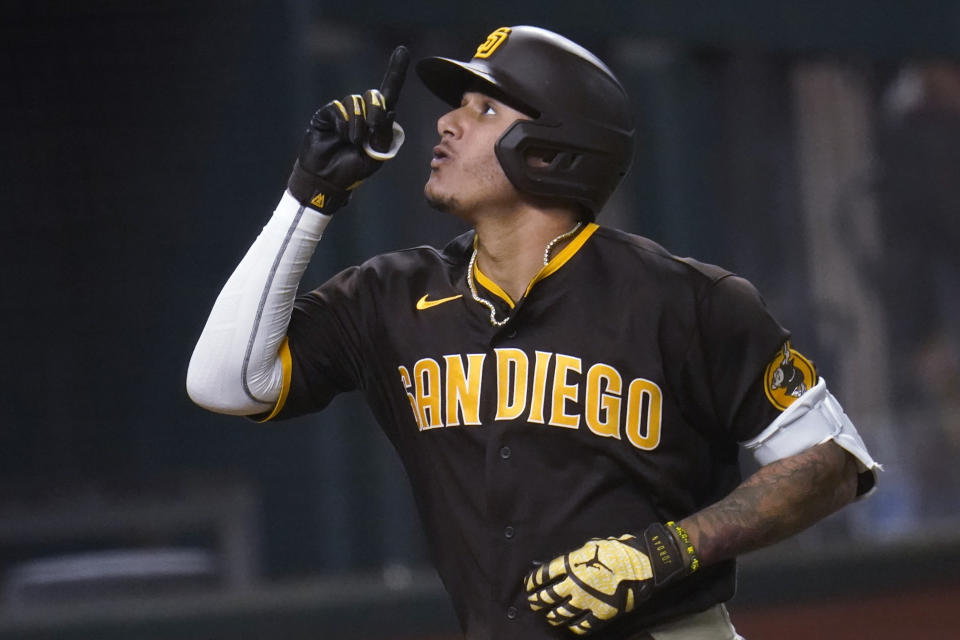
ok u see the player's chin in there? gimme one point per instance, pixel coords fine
(438, 200)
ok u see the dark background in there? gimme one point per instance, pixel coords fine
(145, 144)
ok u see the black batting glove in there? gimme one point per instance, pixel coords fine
(347, 140)
(584, 589)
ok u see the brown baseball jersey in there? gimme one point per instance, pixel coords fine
(614, 397)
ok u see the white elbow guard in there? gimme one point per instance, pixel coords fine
(812, 419)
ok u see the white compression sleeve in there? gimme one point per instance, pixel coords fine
(235, 367)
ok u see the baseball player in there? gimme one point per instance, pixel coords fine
(568, 400)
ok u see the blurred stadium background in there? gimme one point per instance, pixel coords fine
(813, 147)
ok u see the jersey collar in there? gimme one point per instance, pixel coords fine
(558, 260)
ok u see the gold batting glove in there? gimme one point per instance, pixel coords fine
(587, 587)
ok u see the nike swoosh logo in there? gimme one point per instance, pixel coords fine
(423, 303)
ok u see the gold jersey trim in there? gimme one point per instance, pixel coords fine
(563, 256)
(557, 261)
(491, 286)
(286, 367)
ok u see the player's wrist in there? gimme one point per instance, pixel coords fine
(290, 213)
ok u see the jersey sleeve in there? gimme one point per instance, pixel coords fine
(329, 329)
(738, 339)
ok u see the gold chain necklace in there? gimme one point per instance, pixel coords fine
(487, 303)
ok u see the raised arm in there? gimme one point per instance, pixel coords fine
(237, 366)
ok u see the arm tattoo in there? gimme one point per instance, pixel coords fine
(779, 500)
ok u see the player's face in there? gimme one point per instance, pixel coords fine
(465, 175)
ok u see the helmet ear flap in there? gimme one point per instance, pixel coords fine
(580, 162)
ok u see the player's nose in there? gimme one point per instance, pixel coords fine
(449, 124)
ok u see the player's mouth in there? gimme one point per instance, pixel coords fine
(440, 155)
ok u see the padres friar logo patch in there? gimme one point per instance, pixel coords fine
(787, 377)
(493, 41)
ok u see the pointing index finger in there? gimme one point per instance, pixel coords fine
(395, 75)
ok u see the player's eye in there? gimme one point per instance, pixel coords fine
(489, 109)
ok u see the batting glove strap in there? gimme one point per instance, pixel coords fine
(315, 192)
(668, 559)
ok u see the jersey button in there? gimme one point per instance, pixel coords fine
(508, 532)
(512, 613)
(505, 452)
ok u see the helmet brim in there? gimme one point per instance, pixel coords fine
(449, 79)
